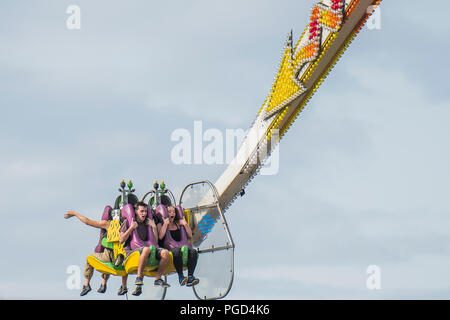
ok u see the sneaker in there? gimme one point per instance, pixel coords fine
(139, 281)
(182, 279)
(162, 283)
(122, 290)
(85, 290)
(102, 289)
(137, 291)
(192, 281)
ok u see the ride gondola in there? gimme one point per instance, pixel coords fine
(201, 211)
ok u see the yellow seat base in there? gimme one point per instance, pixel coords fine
(105, 267)
(132, 261)
(130, 266)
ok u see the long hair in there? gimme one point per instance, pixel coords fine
(176, 215)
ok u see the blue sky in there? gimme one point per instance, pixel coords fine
(363, 177)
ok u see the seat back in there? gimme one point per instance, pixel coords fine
(169, 242)
(132, 199)
(129, 214)
(105, 216)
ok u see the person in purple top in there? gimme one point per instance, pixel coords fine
(140, 235)
(174, 232)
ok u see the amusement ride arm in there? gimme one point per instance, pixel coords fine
(332, 27)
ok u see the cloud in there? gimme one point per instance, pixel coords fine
(363, 173)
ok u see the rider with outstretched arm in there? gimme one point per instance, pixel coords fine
(105, 255)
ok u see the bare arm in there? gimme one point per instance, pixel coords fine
(183, 223)
(159, 226)
(152, 224)
(103, 224)
(162, 228)
(125, 235)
